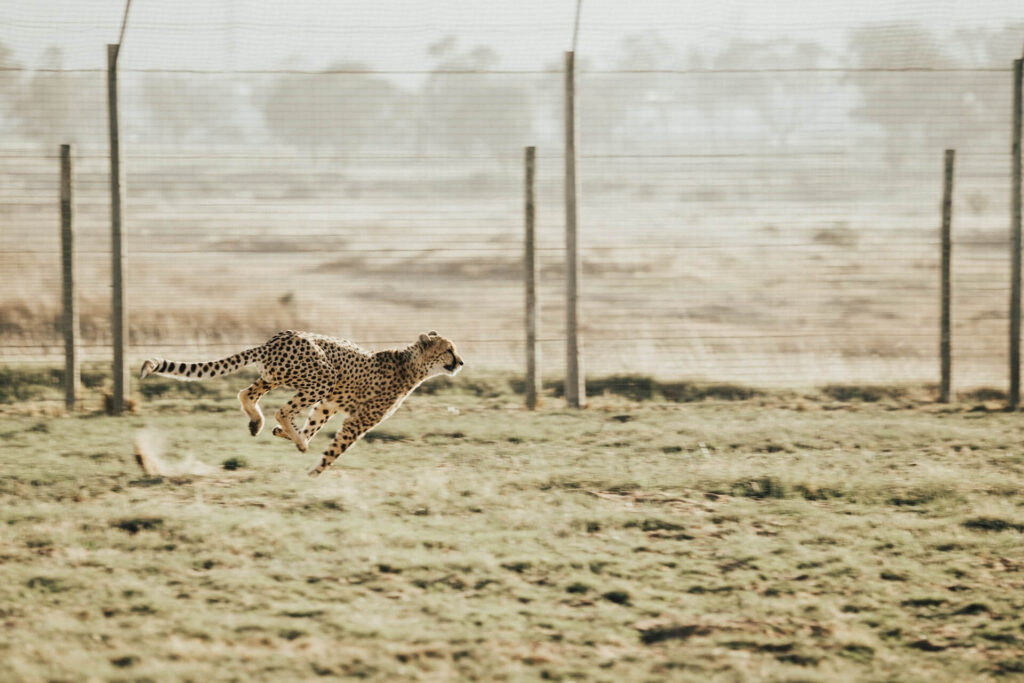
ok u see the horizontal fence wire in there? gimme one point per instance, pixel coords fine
(756, 211)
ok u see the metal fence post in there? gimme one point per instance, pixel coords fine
(945, 343)
(119, 313)
(575, 382)
(1015, 231)
(70, 323)
(530, 277)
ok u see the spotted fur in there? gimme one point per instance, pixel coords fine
(329, 376)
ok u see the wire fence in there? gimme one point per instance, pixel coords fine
(767, 213)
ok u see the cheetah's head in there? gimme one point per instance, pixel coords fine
(439, 355)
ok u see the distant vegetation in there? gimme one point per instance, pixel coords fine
(463, 106)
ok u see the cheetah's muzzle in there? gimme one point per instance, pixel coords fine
(454, 366)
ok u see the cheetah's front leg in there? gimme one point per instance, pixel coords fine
(288, 411)
(354, 428)
(318, 417)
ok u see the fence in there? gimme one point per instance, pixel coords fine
(770, 218)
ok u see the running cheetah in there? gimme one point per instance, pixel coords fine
(330, 375)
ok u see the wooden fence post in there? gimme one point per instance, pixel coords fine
(945, 343)
(530, 277)
(1015, 231)
(119, 312)
(70, 323)
(575, 382)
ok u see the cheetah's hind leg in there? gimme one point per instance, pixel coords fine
(250, 397)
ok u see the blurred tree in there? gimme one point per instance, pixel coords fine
(472, 111)
(640, 103)
(8, 79)
(347, 108)
(637, 107)
(54, 105)
(990, 47)
(781, 99)
(180, 109)
(918, 112)
(615, 109)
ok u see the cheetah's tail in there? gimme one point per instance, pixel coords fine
(202, 370)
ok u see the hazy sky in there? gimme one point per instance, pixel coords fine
(262, 34)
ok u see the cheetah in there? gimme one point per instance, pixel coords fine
(330, 376)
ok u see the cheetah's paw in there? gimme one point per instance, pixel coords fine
(298, 444)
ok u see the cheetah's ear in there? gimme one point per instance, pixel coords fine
(432, 333)
(424, 339)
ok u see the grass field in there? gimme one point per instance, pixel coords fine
(840, 534)
(780, 277)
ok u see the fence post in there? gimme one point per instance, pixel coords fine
(945, 343)
(530, 276)
(575, 382)
(1015, 231)
(119, 313)
(70, 324)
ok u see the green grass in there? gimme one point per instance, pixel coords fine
(764, 537)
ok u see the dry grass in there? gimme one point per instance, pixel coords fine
(783, 536)
(673, 287)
